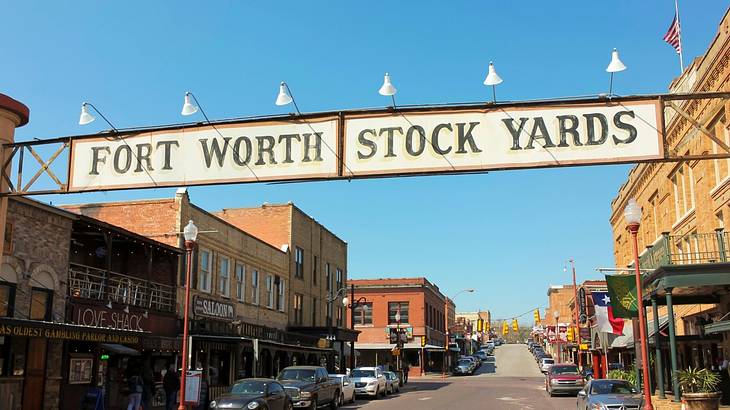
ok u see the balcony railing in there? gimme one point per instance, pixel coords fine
(687, 249)
(87, 282)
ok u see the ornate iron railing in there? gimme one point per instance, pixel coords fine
(87, 282)
(694, 248)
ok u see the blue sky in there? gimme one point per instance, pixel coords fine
(506, 234)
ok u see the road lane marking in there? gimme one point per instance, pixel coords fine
(424, 398)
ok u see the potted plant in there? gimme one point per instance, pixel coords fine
(699, 389)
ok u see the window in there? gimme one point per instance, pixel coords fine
(224, 275)
(722, 166)
(269, 291)
(298, 308)
(720, 221)
(204, 278)
(280, 292)
(41, 304)
(8, 244)
(314, 269)
(7, 299)
(364, 314)
(255, 287)
(328, 276)
(338, 278)
(683, 188)
(314, 311)
(393, 308)
(240, 282)
(299, 262)
(654, 210)
(339, 315)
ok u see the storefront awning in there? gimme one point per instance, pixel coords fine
(718, 327)
(389, 346)
(119, 349)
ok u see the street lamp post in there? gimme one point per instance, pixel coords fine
(330, 332)
(632, 214)
(191, 235)
(446, 328)
(577, 322)
(353, 304)
(556, 315)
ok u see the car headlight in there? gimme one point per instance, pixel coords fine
(554, 381)
(306, 394)
(253, 405)
(372, 383)
(597, 406)
(212, 404)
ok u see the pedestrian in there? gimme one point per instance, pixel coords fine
(406, 367)
(171, 384)
(148, 387)
(135, 384)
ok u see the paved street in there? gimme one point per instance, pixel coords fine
(510, 381)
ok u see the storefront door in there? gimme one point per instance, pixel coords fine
(35, 374)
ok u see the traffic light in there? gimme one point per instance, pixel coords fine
(505, 328)
(515, 326)
(423, 341)
(480, 325)
(487, 327)
(569, 333)
(537, 316)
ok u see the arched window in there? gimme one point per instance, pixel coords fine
(8, 282)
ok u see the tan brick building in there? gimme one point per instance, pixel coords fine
(685, 208)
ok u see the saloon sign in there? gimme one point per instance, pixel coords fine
(356, 144)
(213, 309)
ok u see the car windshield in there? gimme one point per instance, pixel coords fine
(363, 373)
(571, 370)
(390, 376)
(305, 375)
(548, 361)
(249, 387)
(464, 362)
(611, 387)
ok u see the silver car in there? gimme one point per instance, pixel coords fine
(609, 394)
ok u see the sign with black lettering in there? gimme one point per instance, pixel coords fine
(213, 309)
(359, 144)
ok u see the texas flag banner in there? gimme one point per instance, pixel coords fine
(604, 314)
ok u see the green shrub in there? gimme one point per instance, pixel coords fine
(698, 380)
(628, 374)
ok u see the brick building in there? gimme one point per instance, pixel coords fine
(421, 305)
(470, 319)
(685, 208)
(245, 279)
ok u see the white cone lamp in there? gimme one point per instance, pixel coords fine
(387, 89)
(284, 96)
(189, 108)
(615, 66)
(493, 79)
(85, 117)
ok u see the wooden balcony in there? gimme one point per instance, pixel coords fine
(694, 248)
(86, 282)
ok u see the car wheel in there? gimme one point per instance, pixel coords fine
(377, 393)
(342, 399)
(335, 403)
(313, 405)
(289, 406)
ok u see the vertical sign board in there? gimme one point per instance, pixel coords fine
(372, 144)
(192, 387)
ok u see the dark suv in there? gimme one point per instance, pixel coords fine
(310, 386)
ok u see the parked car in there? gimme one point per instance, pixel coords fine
(392, 383)
(563, 378)
(609, 393)
(369, 381)
(464, 367)
(475, 363)
(545, 363)
(347, 388)
(481, 355)
(254, 394)
(310, 386)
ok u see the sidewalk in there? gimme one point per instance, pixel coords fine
(668, 404)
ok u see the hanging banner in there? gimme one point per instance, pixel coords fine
(537, 136)
(361, 144)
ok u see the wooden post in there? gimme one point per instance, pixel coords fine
(13, 114)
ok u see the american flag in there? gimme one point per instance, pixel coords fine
(673, 36)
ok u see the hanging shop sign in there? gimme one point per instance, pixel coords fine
(111, 318)
(360, 144)
(213, 309)
(64, 331)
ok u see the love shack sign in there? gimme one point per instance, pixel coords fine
(355, 144)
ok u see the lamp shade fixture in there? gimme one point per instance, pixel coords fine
(85, 116)
(615, 65)
(632, 212)
(387, 88)
(191, 231)
(188, 107)
(492, 77)
(284, 97)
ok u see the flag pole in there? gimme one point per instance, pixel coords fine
(679, 26)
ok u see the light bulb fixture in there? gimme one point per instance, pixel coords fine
(190, 232)
(109, 304)
(388, 89)
(126, 309)
(189, 108)
(284, 96)
(615, 66)
(87, 118)
(493, 79)
(146, 314)
(632, 212)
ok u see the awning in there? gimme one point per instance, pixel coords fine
(388, 346)
(67, 331)
(119, 349)
(717, 327)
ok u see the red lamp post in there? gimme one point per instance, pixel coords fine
(577, 322)
(556, 315)
(632, 214)
(191, 234)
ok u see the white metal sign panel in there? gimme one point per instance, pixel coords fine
(193, 156)
(577, 134)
